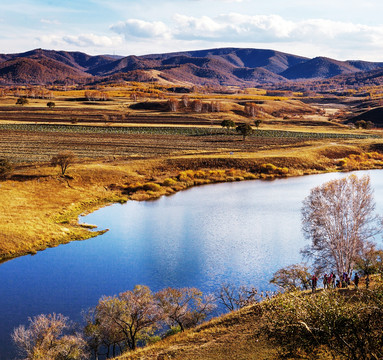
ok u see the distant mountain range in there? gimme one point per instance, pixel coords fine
(226, 66)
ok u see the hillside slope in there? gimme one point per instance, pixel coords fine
(232, 336)
(37, 71)
(225, 66)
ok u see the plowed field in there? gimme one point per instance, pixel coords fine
(31, 146)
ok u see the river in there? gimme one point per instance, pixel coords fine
(203, 237)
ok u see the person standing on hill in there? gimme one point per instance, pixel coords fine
(333, 280)
(325, 281)
(314, 281)
(356, 280)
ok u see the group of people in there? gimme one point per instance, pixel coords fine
(332, 281)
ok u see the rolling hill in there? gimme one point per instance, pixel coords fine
(225, 66)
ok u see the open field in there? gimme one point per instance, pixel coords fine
(22, 143)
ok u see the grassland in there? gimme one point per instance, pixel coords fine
(232, 336)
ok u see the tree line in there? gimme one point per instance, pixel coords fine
(116, 324)
(123, 322)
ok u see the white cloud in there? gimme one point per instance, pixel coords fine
(142, 29)
(333, 38)
(272, 28)
(50, 22)
(245, 28)
(82, 40)
(240, 29)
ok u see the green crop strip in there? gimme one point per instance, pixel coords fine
(186, 131)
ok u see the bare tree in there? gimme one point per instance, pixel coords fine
(292, 277)
(173, 104)
(104, 336)
(63, 159)
(134, 313)
(251, 109)
(339, 219)
(185, 307)
(234, 297)
(45, 339)
(185, 101)
(197, 105)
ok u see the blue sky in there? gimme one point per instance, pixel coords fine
(338, 28)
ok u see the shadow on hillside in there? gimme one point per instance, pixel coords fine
(22, 178)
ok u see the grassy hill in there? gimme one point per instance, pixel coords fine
(291, 325)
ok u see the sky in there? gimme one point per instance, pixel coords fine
(340, 29)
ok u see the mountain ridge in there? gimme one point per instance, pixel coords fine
(220, 66)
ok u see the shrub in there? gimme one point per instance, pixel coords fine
(150, 186)
(273, 170)
(169, 182)
(186, 175)
(200, 174)
(5, 168)
(228, 124)
(134, 187)
(268, 168)
(22, 101)
(345, 327)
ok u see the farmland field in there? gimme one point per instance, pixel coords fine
(34, 143)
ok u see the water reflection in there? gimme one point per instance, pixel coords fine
(203, 237)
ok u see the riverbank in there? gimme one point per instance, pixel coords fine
(40, 209)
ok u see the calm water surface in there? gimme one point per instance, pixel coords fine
(203, 237)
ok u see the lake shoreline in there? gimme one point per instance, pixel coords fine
(44, 208)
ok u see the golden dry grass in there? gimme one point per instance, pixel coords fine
(39, 208)
(232, 336)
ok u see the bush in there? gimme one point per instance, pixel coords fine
(346, 327)
(273, 170)
(228, 124)
(186, 175)
(5, 168)
(134, 187)
(22, 101)
(268, 168)
(150, 186)
(169, 182)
